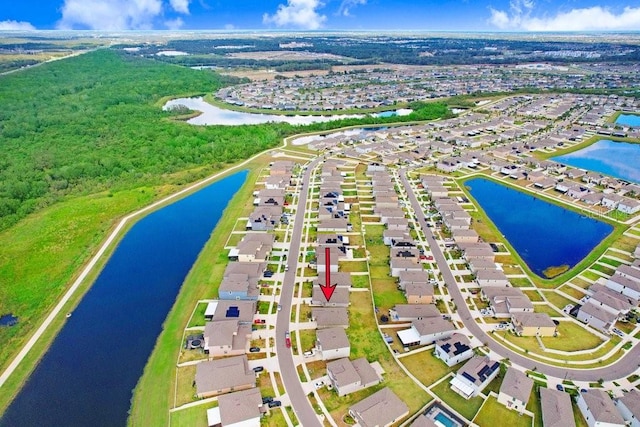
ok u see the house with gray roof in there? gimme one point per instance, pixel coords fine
(474, 376)
(408, 277)
(624, 284)
(453, 349)
(226, 338)
(515, 390)
(264, 218)
(556, 408)
(426, 331)
(239, 409)
(423, 421)
(419, 293)
(594, 315)
(349, 376)
(221, 376)
(491, 277)
(332, 343)
(610, 300)
(242, 311)
(408, 312)
(598, 409)
(505, 301)
(629, 407)
(381, 409)
(533, 324)
(329, 317)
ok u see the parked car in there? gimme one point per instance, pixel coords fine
(267, 399)
(559, 387)
(258, 369)
(287, 339)
(274, 404)
(254, 349)
(268, 273)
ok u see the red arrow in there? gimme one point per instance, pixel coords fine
(327, 289)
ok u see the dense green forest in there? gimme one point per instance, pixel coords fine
(93, 122)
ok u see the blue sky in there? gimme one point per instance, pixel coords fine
(442, 15)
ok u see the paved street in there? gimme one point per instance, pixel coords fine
(303, 409)
(622, 368)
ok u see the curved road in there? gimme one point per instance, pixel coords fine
(624, 367)
(303, 409)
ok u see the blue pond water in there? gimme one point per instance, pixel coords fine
(628, 120)
(617, 159)
(543, 234)
(87, 376)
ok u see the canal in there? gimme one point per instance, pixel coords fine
(87, 376)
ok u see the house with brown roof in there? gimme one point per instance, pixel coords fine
(515, 390)
(225, 375)
(556, 408)
(381, 409)
(332, 343)
(348, 376)
(408, 312)
(226, 338)
(598, 409)
(419, 293)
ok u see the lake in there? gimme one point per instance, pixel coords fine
(628, 120)
(544, 235)
(87, 376)
(617, 159)
(212, 115)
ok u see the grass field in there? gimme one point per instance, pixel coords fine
(495, 414)
(426, 367)
(195, 416)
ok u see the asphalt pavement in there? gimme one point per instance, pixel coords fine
(301, 406)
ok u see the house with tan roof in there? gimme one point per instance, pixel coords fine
(515, 390)
(556, 408)
(381, 409)
(225, 375)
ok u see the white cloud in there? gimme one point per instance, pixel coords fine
(347, 5)
(174, 24)
(10, 25)
(595, 18)
(298, 13)
(110, 14)
(229, 27)
(180, 6)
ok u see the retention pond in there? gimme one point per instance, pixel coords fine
(546, 236)
(87, 376)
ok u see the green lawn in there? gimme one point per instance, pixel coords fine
(195, 416)
(558, 300)
(198, 315)
(467, 408)
(534, 296)
(544, 308)
(571, 291)
(572, 337)
(426, 367)
(534, 405)
(495, 414)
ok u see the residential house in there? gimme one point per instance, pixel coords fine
(426, 331)
(594, 315)
(533, 324)
(419, 293)
(381, 409)
(610, 300)
(242, 311)
(598, 409)
(506, 301)
(491, 277)
(254, 247)
(465, 235)
(629, 407)
(334, 255)
(239, 409)
(240, 281)
(225, 375)
(330, 317)
(408, 312)
(423, 421)
(477, 264)
(624, 282)
(226, 338)
(474, 376)
(412, 277)
(332, 343)
(556, 408)
(338, 225)
(264, 218)
(629, 206)
(515, 390)
(453, 349)
(348, 376)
